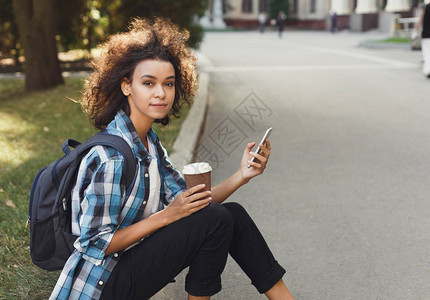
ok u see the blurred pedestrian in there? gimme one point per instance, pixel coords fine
(423, 25)
(280, 21)
(334, 22)
(262, 20)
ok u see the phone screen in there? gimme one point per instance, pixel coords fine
(263, 141)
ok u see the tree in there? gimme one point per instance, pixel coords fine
(83, 24)
(36, 20)
(69, 23)
(276, 6)
(9, 38)
(181, 12)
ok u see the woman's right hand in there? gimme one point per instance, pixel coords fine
(187, 203)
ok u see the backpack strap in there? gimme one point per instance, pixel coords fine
(69, 143)
(105, 139)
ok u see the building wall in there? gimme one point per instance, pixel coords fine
(312, 14)
(304, 12)
(236, 10)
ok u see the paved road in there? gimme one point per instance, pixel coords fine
(344, 204)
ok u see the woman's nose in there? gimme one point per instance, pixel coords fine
(159, 92)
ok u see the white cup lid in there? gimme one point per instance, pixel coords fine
(196, 168)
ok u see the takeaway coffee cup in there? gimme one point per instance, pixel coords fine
(197, 173)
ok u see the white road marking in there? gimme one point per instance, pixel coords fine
(307, 68)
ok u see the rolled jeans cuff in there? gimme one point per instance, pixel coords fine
(208, 288)
(267, 281)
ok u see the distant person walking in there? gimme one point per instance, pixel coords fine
(262, 20)
(280, 22)
(424, 24)
(334, 22)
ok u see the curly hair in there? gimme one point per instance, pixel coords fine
(160, 39)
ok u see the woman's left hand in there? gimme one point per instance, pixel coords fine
(259, 163)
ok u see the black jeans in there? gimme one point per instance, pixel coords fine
(201, 241)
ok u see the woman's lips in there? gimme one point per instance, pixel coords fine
(159, 106)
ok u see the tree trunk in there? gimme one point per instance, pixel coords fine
(36, 21)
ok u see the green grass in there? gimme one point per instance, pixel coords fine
(394, 40)
(32, 128)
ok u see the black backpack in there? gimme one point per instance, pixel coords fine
(51, 238)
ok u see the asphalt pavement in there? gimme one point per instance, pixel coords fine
(343, 203)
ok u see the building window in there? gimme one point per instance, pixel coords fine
(247, 6)
(295, 7)
(263, 5)
(313, 6)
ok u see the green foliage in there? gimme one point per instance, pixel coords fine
(83, 24)
(6, 13)
(278, 5)
(70, 25)
(9, 37)
(181, 12)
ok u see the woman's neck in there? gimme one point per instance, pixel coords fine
(142, 127)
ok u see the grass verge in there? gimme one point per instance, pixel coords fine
(397, 40)
(393, 40)
(32, 128)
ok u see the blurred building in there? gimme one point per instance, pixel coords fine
(356, 15)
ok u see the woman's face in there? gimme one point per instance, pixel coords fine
(152, 90)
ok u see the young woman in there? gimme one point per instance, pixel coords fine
(133, 240)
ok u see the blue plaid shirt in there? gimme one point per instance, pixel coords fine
(101, 204)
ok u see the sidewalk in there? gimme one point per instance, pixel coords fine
(342, 204)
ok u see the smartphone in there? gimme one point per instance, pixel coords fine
(263, 141)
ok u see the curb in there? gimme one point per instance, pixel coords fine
(376, 45)
(183, 151)
(186, 142)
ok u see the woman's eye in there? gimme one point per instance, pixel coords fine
(148, 83)
(170, 84)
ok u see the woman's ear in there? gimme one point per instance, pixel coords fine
(125, 86)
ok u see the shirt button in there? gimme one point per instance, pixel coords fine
(116, 255)
(101, 282)
(144, 202)
(146, 175)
